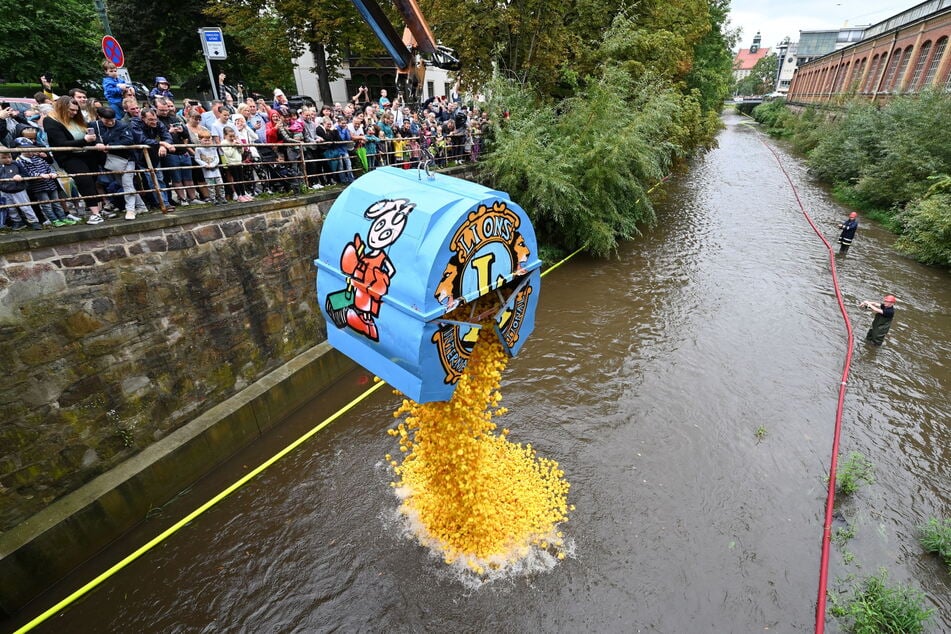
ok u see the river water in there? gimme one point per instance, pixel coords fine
(647, 378)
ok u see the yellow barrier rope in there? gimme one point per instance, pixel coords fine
(194, 514)
(77, 594)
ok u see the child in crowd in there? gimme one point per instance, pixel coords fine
(207, 158)
(160, 90)
(13, 188)
(112, 88)
(234, 168)
(474, 130)
(44, 188)
(371, 140)
(38, 137)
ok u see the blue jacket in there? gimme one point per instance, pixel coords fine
(158, 92)
(119, 134)
(144, 135)
(848, 231)
(113, 94)
(7, 172)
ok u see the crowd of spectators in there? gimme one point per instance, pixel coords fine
(225, 152)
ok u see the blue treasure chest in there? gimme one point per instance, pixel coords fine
(400, 251)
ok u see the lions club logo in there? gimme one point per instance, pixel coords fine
(486, 254)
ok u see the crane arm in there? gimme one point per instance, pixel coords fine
(371, 12)
(419, 36)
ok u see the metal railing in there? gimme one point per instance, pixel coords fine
(290, 167)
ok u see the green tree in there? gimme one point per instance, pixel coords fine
(583, 166)
(711, 72)
(525, 40)
(276, 31)
(848, 147)
(761, 80)
(915, 143)
(926, 230)
(157, 41)
(60, 37)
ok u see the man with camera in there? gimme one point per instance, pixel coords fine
(9, 120)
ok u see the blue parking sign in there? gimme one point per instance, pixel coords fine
(213, 43)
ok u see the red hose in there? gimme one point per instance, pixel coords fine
(830, 495)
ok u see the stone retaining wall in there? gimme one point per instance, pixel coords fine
(113, 336)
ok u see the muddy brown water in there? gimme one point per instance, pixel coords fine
(646, 378)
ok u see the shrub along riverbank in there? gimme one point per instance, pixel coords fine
(582, 158)
(893, 162)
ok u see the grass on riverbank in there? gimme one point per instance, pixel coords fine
(875, 606)
(853, 472)
(935, 537)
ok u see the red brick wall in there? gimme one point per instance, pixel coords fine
(895, 62)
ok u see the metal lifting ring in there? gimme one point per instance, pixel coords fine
(426, 159)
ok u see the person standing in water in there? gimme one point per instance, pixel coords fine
(884, 312)
(848, 227)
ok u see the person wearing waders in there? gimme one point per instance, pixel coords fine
(884, 312)
(848, 228)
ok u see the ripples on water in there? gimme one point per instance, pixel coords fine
(646, 379)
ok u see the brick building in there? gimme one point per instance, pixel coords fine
(903, 54)
(746, 59)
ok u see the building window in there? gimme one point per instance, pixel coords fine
(935, 61)
(892, 70)
(840, 77)
(880, 76)
(857, 75)
(905, 60)
(919, 66)
(872, 71)
(430, 90)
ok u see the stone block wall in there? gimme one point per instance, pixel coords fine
(113, 336)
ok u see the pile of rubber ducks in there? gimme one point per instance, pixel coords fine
(479, 498)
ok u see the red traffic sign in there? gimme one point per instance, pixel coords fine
(112, 50)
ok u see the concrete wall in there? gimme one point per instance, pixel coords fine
(112, 337)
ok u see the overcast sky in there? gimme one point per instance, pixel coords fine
(775, 19)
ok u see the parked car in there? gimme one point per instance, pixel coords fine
(198, 87)
(93, 89)
(19, 104)
(299, 101)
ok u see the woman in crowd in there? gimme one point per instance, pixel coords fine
(111, 134)
(270, 156)
(65, 127)
(280, 102)
(358, 136)
(386, 148)
(369, 116)
(218, 125)
(192, 127)
(292, 135)
(246, 138)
